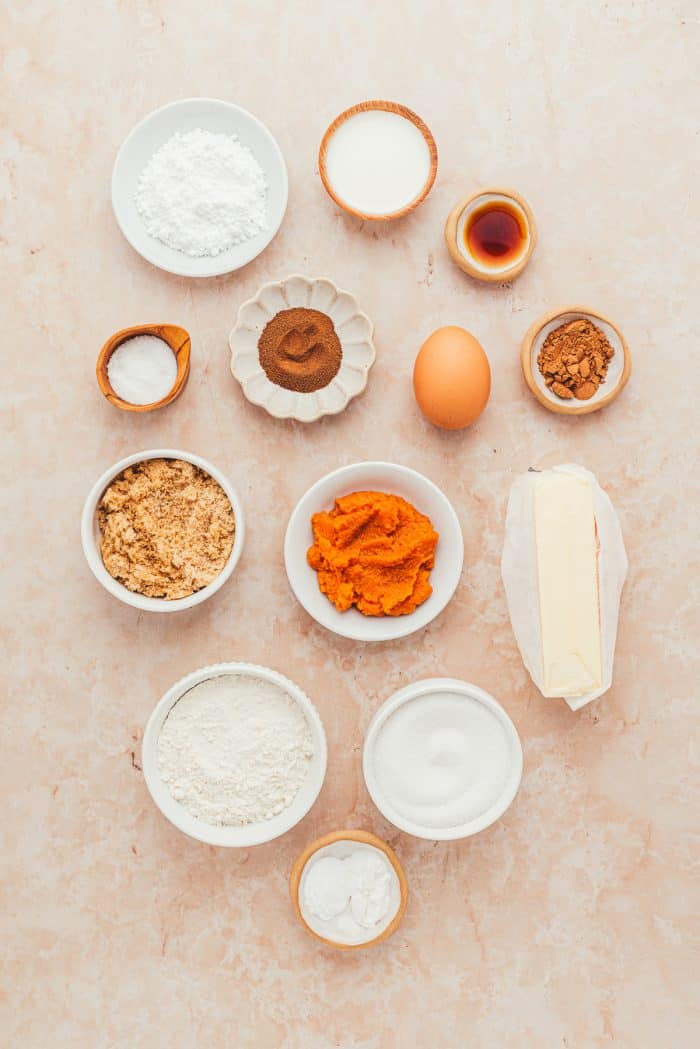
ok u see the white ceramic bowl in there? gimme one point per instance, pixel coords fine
(150, 134)
(380, 477)
(464, 830)
(90, 534)
(353, 327)
(250, 833)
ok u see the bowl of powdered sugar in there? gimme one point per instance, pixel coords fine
(199, 187)
(234, 754)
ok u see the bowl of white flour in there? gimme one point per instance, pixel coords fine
(199, 187)
(234, 754)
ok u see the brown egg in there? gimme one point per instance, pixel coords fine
(451, 378)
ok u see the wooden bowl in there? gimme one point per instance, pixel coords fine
(389, 107)
(179, 342)
(366, 838)
(456, 244)
(619, 368)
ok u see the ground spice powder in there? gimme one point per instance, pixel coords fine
(299, 349)
(574, 359)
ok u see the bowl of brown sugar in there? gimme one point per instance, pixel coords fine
(162, 530)
(302, 348)
(575, 360)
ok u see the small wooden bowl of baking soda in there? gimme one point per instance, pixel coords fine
(144, 367)
(349, 890)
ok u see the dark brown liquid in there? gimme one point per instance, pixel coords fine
(495, 234)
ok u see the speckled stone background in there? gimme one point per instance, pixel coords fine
(571, 924)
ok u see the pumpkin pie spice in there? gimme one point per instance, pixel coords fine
(574, 359)
(299, 350)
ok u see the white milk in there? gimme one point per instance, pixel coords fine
(377, 162)
(442, 759)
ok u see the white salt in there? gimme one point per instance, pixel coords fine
(142, 370)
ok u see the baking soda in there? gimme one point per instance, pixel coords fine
(349, 892)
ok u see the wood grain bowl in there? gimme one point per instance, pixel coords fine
(179, 342)
(365, 838)
(387, 107)
(618, 373)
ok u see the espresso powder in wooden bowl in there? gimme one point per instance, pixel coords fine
(574, 359)
(299, 350)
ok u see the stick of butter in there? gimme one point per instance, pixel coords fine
(567, 576)
(564, 566)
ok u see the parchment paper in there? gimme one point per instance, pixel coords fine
(519, 571)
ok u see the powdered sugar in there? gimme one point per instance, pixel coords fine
(202, 193)
(235, 750)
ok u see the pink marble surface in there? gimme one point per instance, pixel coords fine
(573, 923)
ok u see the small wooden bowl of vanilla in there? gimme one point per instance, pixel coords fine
(144, 367)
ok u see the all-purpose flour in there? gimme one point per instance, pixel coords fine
(235, 750)
(201, 193)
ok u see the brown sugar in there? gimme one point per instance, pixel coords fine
(574, 359)
(167, 528)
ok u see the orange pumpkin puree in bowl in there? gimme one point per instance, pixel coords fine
(374, 551)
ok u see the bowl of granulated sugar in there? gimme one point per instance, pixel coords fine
(234, 754)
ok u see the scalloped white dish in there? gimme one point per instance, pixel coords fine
(352, 325)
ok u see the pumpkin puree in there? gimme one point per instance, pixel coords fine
(375, 551)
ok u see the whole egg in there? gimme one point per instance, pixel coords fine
(451, 378)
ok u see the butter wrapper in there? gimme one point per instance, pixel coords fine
(519, 572)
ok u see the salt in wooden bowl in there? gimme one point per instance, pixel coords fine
(179, 342)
